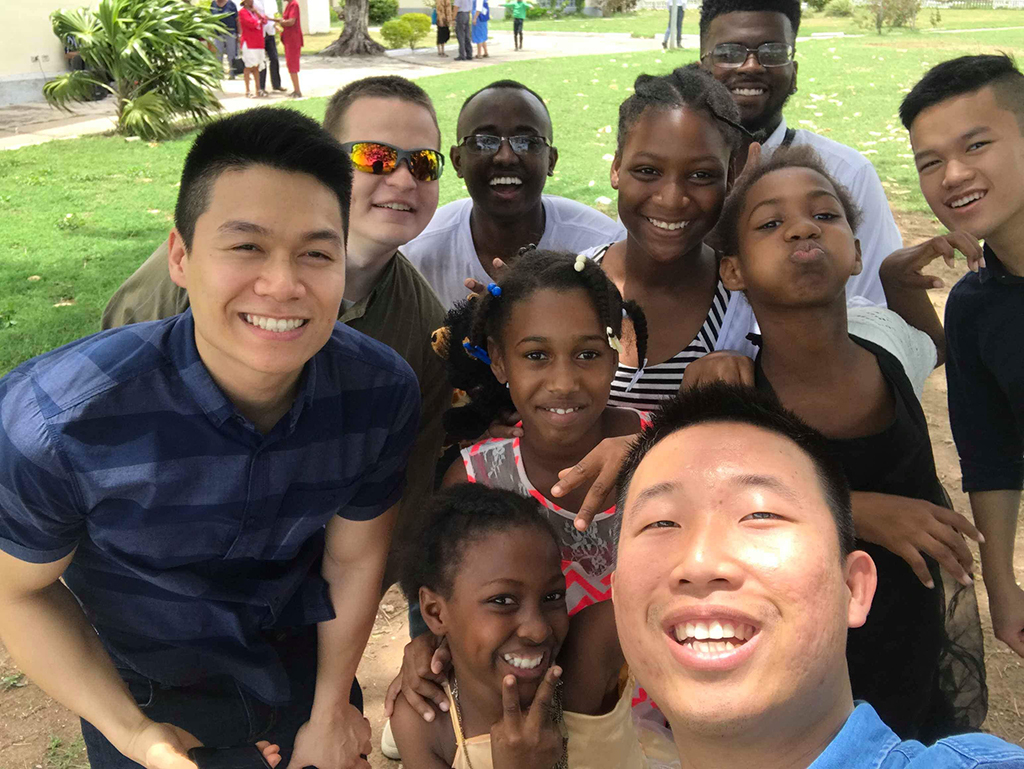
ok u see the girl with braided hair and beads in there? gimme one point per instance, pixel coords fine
(487, 574)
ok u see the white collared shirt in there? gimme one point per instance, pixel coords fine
(269, 9)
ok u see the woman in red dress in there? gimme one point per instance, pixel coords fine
(291, 37)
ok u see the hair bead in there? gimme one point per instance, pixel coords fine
(494, 290)
(581, 262)
(476, 351)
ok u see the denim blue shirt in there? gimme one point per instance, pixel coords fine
(196, 537)
(865, 742)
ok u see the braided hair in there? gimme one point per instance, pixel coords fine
(470, 324)
(690, 87)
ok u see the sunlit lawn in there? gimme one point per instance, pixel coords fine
(82, 214)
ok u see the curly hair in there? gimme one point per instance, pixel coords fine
(726, 234)
(713, 8)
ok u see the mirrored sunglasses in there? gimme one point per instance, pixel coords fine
(487, 144)
(733, 55)
(379, 158)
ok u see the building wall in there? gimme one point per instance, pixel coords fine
(28, 34)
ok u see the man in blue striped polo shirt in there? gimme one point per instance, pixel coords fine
(216, 490)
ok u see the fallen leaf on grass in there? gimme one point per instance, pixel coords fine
(35, 277)
(65, 303)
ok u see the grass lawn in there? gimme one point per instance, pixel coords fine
(80, 215)
(651, 23)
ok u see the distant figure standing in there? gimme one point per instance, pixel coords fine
(480, 19)
(463, 15)
(444, 17)
(681, 5)
(268, 9)
(227, 44)
(518, 17)
(254, 57)
(291, 38)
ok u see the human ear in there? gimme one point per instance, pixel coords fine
(497, 360)
(176, 256)
(552, 160)
(456, 157)
(731, 273)
(861, 581)
(616, 165)
(858, 265)
(434, 610)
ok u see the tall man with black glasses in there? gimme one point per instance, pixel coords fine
(748, 46)
(504, 152)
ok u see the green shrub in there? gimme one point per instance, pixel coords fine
(420, 25)
(838, 8)
(536, 13)
(817, 5)
(396, 33)
(382, 10)
(610, 7)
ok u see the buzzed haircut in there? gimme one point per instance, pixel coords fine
(377, 87)
(511, 85)
(726, 235)
(967, 74)
(266, 136)
(714, 8)
(720, 403)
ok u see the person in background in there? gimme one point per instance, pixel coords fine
(680, 6)
(463, 18)
(519, 8)
(254, 57)
(227, 44)
(444, 17)
(482, 14)
(291, 38)
(268, 9)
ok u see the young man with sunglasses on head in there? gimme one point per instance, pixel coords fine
(394, 194)
(748, 46)
(503, 151)
(195, 512)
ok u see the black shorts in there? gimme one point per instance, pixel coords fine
(443, 34)
(517, 26)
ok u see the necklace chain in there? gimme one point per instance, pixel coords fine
(563, 762)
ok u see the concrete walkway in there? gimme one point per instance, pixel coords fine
(27, 124)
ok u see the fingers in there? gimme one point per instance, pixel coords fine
(571, 477)
(391, 695)
(499, 265)
(911, 555)
(948, 555)
(423, 704)
(475, 286)
(746, 371)
(365, 736)
(441, 659)
(543, 701)
(958, 522)
(510, 702)
(271, 753)
(594, 502)
(502, 430)
(970, 247)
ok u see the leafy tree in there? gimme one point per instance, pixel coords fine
(355, 39)
(420, 25)
(150, 55)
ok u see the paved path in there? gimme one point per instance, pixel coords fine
(37, 123)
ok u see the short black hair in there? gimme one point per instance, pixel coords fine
(450, 520)
(727, 403)
(478, 319)
(967, 74)
(688, 86)
(269, 136)
(514, 85)
(379, 87)
(726, 236)
(714, 8)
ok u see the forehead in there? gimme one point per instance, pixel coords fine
(390, 120)
(548, 312)
(750, 28)
(677, 132)
(264, 187)
(949, 120)
(706, 462)
(788, 185)
(508, 110)
(526, 554)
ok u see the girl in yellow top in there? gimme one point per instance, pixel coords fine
(487, 572)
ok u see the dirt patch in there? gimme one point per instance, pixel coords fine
(38, 733)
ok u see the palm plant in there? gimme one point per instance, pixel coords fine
(150, 54)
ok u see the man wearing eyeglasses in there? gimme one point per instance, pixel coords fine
(389, 129)
(748, 46)
(504, 153)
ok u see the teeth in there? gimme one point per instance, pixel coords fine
(277, 325)
(564, 411)
(697, 632)
(524, 663)
(506, 180)
(967, 199)
(748, 91)
(395, 206)
(667, 225)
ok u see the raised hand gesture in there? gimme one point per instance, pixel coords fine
(530, 740)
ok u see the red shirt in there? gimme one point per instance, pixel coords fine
(252, 28)
(292, 36)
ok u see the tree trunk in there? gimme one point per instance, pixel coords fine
(354, 39)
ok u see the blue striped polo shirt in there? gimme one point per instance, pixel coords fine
(197, 536)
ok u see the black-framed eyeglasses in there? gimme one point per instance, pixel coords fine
(379, 158)
(488, 144)
(733, 55)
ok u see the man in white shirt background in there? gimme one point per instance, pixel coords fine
(760, 83)
(269, 9)
(504, 153)
(463, 15)
(680, 6)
